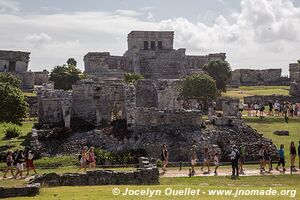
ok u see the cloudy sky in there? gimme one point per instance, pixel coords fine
(254, 33)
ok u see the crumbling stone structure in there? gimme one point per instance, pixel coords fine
(16, 62)
(149, 53)
(294, 69)
(146, 176)
(253, 77)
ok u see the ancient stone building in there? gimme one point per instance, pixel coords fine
(294, 69)
(150, 53)
(258, 77)
(16, 62)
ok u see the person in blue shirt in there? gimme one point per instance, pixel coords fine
(281, 157)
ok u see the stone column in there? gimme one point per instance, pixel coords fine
(66, 107)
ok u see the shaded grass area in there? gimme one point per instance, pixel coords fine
(244, 91)
(15, 143)
(202, 183)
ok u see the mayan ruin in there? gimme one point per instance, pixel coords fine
(136, 99)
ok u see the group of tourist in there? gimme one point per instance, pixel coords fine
(237, 157)
(19, 160)
(87, 158)
(276, 108)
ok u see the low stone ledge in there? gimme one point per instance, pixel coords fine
(29, 191)
(282, 133)
(148, 176)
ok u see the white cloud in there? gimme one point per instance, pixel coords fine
(130, 13)
(264, 33)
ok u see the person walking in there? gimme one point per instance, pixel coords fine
(267, 158)
(206, 160)
(277, 108)
(270, 108)
(91, 158)
(281, 158)
(83, 159)
(261, 157)
(193, 158)
(165, 157)
(9, 164)
(29, 161)
(216, 163)
(293, 154)
(234, 157)
(299, 153)
(242, 158)
(20, 159)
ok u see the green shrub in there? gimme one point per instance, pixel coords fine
(158, 163)
(12, 131)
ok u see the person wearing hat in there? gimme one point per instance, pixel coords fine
(234, 157)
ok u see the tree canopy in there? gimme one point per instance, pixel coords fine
(131, 78)
(11, 79)
(72, 61)
(200, 86)
(65, 76)
(220, 71)
(13, 106)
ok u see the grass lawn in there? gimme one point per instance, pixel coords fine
(290, 182)
(30, 94)
(244, 91)
(15, 143)
(268, 125)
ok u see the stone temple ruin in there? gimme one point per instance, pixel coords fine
(140, 116)
(149, 53)
(16, 63)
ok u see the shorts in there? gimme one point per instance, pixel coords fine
(29, 164)
(267, 157)
(20, 166)
(194, 162)
(261, 157)
(276, 110)
(9, 164)
(216, 163)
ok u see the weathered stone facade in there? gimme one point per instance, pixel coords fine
(294, 69)
(150, 53)
(258, 77)
(147, 176)
(30, 190)
(16, 63)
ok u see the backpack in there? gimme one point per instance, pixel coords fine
(237, 154)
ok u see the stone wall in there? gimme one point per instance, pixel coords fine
(104, 64)
(149, 117)
(27, 191)
(41, 77)
(294, 69)
(159, 62)
(21, 60)
(136, 39)
(148, 176)
(258, 77)
(295, 90)
(51, 107)
(266, 98)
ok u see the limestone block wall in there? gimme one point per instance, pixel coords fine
(149, 176)
(295, 89)
(50, 107)
(136, 39)
(21, 60)
(149, 117)
(41, 77)
(162, 64)
(265, 99)
(294, 69)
